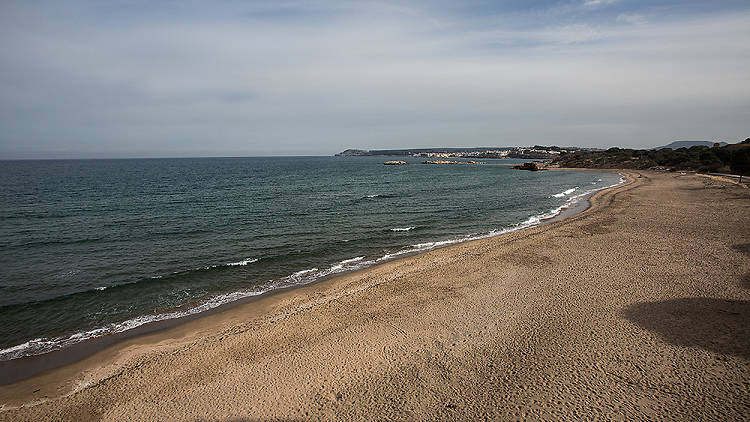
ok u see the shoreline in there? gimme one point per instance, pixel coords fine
(29, 367)
(614, 312)
(19, 369)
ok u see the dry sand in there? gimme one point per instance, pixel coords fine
(638, 308)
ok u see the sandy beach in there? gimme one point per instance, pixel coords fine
(636, 309)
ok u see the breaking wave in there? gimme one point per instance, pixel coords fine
(566, 192)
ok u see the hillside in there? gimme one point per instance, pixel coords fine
(690, 144)
(733, 158)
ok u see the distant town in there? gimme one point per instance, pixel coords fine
(535, 152)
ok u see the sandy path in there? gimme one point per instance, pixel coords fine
(636, 309)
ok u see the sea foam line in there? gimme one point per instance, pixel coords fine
(566, 192)
(44, 345)
(243, 262)
(228, 264)
(532, 221)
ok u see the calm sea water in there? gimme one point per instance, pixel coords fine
(91, 247)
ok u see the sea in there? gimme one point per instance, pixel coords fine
(90, 248)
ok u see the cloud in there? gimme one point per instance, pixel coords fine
(632, 19)
(317, 77)
(597, 3)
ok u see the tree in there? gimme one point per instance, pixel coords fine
(709, 161)
(740, 163)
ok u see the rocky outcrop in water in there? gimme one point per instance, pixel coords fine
(530, 166)
(395, 163)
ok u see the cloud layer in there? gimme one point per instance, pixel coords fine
(98, 79)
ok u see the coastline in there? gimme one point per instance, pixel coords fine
(19, 369)
(369, 316)
(104, 350)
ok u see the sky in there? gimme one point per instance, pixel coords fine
(147, 78)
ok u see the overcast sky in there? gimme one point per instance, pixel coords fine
(147, 78)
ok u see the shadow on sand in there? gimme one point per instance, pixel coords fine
(716, 325)
(745, 249)
(251, 420)
(742, 247)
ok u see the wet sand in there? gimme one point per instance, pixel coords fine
(637, 308)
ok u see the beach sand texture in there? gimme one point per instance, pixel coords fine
(636, 309)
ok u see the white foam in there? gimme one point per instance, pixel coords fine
(309, 275)
(531, 221)
(566, 192)
(403, 229)
(349, 261)
(243, 262)
(429, 245)
(303, 272)
(101, 288)
(228, 264)
(393, 255)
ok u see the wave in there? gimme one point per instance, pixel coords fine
(40, 346)
(45, 345)
(243, 262)
(566, 192)
(403, 229)
(303, 272)
(131, 283)
(228, 264)
(379, 195)
(349, 261)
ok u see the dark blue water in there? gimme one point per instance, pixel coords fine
(90, 247)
